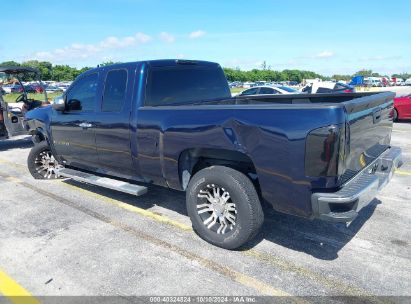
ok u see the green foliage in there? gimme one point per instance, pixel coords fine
(402, 75)
(341, 77)
(67, 73)
(107, 63)
(48, 70)
(367, 73)
(269, 75)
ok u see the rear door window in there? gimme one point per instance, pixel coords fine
(267, 91)
(185, 84)
(115, 88)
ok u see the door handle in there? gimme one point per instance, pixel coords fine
(85, 125)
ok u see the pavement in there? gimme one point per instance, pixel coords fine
(66, 238)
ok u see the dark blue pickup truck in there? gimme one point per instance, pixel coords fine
(174, 123)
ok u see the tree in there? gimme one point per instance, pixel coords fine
(341, 77)
(402, 75)
(44, 67)
(106, 63)
(9, 63)
(366, 73)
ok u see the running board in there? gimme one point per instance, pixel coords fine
(102, 181)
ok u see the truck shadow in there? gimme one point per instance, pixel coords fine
(19, 143)
(322, 240)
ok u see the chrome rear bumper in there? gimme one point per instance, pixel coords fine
(344, 205)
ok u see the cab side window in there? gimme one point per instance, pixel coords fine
(267, 91)
(252, 91)
(114, 91)
(82, 95)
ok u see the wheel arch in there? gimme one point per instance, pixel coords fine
(193, 160)
(38, 135)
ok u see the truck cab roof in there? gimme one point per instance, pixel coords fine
(158, 63)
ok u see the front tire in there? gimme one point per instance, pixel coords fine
(224, 207)
(395, 115)
(41, 162)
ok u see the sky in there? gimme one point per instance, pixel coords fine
(328, 37)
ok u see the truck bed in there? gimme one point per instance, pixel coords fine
(272, 130)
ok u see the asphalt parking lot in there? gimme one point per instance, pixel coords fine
(66, 238)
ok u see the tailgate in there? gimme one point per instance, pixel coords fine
(368, 130)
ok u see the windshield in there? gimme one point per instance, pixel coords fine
(290, 90)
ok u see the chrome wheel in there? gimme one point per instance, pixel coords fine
(216, 209)
(46, 165)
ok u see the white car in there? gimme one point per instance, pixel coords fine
(408, 82)
(262, 90)
(327, 87)
(399, 82)
(7, 88)
(373, 82)
(52, 89)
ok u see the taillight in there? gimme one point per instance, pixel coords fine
(325, 151)
(348, 91)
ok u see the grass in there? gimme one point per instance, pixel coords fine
(236, 90)
(12, 97)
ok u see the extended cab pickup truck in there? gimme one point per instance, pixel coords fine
(174, 123)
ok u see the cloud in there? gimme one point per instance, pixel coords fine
(166, 37)
(197, 34)
(83, 51)
(380, 58)
(324, 54)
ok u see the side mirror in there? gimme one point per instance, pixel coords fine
(59, 104)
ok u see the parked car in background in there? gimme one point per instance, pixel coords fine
(16, 88)
(7, 88)
(262, 90)
(327, 87)
(63, 87)
(400, 82)
(385, 82)
(52, 89)
(30, 89)
(372, 82)
(408, 82)
(402, 107)
(27, 88)
(395, 81)
(37, 87)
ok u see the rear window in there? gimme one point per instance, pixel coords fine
(267, 91)
(252, 91)
(287, 89)
(185, 85)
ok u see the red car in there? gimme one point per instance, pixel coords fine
(402, 107)
(38, 88)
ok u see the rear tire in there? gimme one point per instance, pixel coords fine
(41, 162)
(395, 115)
(224, 207)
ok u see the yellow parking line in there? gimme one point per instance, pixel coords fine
(140, 211)
(236, 276)
(402, 172)
(14, 292)
(131, 208)
(239, 277)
